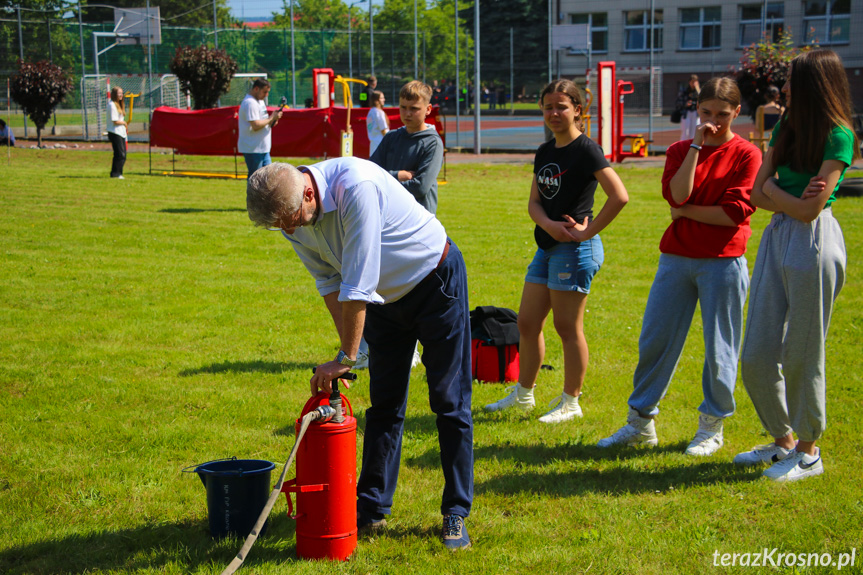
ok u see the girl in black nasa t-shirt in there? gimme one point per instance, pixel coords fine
(566, 172)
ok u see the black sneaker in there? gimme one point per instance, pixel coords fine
(454, 533)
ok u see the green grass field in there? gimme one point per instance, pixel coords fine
(146, 326)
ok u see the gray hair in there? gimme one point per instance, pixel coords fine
(273, 191)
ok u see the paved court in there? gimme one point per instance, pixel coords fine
(525, 133)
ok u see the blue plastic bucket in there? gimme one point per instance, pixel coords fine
(237, 491)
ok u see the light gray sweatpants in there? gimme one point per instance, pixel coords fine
(799, 271)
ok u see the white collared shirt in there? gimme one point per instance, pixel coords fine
(250, 141)
(372, 241)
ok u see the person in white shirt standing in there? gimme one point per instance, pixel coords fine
(377, 122)
(255, 133)
(117, 131)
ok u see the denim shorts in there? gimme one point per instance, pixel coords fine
(567, 266)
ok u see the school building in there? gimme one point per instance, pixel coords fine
(704, 37)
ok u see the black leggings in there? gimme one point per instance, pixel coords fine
(119, 145)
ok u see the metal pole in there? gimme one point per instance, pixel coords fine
(350, 46)
(149, 71)
(549, 42)
(457, 79)
(652, 77)
(98, 89)
(293, 63)
(511, 73)
(372, 37)
(215, 26)
(20, 38)
(476, 84)
(416, 44)
(83, 73)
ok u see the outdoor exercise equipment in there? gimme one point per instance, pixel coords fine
(611, 94)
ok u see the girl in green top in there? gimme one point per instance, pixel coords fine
(800, 266)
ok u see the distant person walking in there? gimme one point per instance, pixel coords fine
(255, 127)
(117, 131)
(687, 103)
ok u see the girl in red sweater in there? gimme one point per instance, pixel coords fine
(707, 182)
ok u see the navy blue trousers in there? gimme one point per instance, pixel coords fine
(436, 313)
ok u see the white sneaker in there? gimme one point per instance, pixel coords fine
(362, 361)
(120, 178)
(637, 431)
(708, 438)
(519, 396)
(768, 453)
(567, 407)
(417, 358)
(798, 465)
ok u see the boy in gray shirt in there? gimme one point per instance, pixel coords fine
(413, 154)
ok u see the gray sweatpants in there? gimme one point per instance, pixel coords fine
(798, 273)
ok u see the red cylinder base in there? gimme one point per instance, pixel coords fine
(337, 549)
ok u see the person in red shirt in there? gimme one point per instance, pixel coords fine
(707, 182)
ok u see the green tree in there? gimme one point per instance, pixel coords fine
(314, 15)
(44, 36)
(529, 20)
(191, 13)
(38, 88)
(765, 64)
(204, 73)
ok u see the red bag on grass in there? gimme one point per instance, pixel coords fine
(494, 344)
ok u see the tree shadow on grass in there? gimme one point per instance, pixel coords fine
(636, 470)
(199, 210)
(616, 481)
(149, 547)
(258, 366)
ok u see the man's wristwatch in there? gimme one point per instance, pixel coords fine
(343, 359)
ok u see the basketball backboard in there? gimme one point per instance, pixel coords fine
(134, 22)
(570, 36)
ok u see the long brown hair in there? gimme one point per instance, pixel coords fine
(820, 101)
(121, 102)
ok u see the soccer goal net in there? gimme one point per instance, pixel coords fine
(140, 92)
(639, 102)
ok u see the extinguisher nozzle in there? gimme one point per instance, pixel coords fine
(323, 413)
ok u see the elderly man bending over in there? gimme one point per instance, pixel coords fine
(387, 270)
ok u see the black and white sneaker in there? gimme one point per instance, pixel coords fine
(798, 465)
(768, 453)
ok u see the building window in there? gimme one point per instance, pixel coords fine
(827, 21)
(598, 25)
(699, 28)
(750, 23)
(636, 30)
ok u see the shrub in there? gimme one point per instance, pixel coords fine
(764, 64)
(38, 87)
(204, 73)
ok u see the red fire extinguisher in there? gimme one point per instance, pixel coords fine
(326, 483)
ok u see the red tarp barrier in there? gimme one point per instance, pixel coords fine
(311, 132)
